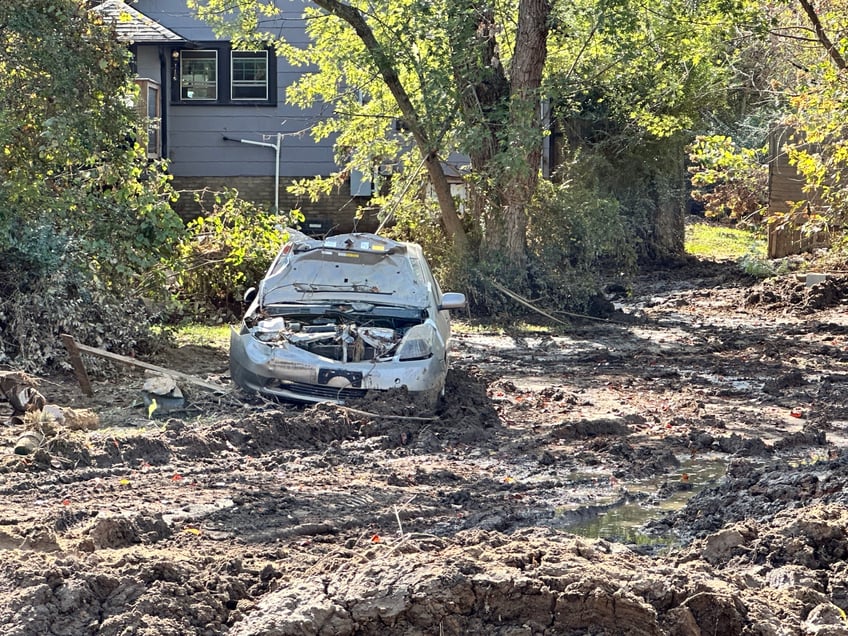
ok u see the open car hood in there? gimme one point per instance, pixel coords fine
(347, 268)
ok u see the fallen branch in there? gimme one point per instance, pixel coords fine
(529, 305)
(74, 349)
(397, 516)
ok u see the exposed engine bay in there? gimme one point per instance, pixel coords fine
(345, 333)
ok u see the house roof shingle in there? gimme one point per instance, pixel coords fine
(133, 26)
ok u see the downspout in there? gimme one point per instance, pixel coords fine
(165, 83)
(276, 147)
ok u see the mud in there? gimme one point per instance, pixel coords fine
(677, 469)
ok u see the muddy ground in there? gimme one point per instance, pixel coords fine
(677, 470)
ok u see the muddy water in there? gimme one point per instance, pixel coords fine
(641, 501)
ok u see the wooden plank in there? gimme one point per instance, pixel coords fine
(108, 355)
(77, 364)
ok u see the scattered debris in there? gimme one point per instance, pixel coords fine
(74, 349)
(162, 395)
(19, 389)
(28, 442)
(264, 518)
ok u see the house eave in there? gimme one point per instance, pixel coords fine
(133, 27)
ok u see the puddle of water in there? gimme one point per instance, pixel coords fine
(622, 520)
(737, 384)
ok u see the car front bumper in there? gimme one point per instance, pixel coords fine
(289, 373)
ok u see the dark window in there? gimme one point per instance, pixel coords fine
(216, 74)
(199, 75)
(249, 75)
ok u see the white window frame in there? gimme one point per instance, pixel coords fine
(185, 86)
(264, 83)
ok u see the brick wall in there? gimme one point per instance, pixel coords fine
(334, 212)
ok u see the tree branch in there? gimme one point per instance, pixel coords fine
(390, 76)
(829, 46)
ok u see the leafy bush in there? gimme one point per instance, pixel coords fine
(39, 303)
(577, 238)
(84, 215)
(225, 251)
(730, 181)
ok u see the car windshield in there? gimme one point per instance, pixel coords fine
(365, 311)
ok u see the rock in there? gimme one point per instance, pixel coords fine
(114, 530)
(825, 620)
(161, 395)
(793, 576)
(718, 547)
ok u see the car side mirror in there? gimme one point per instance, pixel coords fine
(452, 300)
(250, 295)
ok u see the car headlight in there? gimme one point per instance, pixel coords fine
(417, 344)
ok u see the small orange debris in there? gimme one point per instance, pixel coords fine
(66, 502)
(376, 539)
(176, 477)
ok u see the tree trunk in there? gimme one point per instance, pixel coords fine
(450, 218)
(518, 184)
(447, 206)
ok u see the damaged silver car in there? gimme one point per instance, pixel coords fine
(336, 317)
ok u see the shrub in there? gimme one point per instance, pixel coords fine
(730, 181)
(44, 297)
(225, 251)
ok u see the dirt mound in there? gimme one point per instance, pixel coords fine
(760, 491)
(465, 415)
(791, 294)
(532, 582)
(138, 593)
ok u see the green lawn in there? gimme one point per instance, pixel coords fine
(707, 240)
(204, 335)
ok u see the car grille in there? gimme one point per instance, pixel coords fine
(319, 391)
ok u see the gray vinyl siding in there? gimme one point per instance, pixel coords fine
(148, 65)
(194, 133)
(176, 16)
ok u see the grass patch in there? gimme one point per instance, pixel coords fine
(706, 240)
(203, 335)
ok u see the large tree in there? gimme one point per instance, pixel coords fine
(633, 82)
(439, 63)
(83, 215)
(499, 98)
(75, 180)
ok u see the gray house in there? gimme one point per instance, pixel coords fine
(219, 114)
